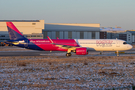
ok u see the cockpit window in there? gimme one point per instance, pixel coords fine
(124, 42)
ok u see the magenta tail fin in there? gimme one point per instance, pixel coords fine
(14, 33)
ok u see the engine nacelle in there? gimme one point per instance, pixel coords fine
(81, 51)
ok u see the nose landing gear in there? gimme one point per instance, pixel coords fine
(68, 54)
(117, 53)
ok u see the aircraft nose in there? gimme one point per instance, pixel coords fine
(130, 46)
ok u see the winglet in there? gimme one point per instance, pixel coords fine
(50, 39)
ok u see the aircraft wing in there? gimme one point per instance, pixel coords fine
(63, 46)
(66, 47)
(70, 48)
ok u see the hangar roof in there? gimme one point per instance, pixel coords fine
(133, 32)
(71, 27)
(19, 20)
(111, 29)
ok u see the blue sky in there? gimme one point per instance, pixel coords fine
(106, 12)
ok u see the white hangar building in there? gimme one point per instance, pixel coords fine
(29, 28)
(38, 29)
(72, 31)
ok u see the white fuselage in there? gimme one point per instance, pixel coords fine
(104, 44)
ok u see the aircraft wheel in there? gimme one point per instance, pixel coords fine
(68, 54)
(101, 52)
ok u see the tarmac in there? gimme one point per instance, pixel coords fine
(16, 51)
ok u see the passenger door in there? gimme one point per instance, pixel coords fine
(117, 43)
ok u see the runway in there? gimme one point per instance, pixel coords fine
(15, 51)
(56, 53)
(28, 53)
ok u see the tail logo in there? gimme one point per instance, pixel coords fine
(10, 24)
(12, 35)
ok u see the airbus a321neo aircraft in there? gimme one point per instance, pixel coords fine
(78, 46)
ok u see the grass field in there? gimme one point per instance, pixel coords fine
(59, 72)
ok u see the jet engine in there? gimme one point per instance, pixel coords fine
(81, 51)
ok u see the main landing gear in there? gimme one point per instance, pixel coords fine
(68, 54)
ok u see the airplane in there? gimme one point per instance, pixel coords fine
(78, 46)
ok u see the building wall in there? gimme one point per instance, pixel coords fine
(4, 36)
(61, 35)
(34, 36)
(28, 28)
(103, 35)
(73, 24)
(24, 26)
(74, 35)
(129, 37)
(72, 31)
(123, 37)
(133, 37)
(97, 35)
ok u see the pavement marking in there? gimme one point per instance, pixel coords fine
(45, 54)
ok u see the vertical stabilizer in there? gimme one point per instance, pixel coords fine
(14, 33)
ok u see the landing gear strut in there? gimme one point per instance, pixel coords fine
(68, 54)
(117, 53)
(101, 52)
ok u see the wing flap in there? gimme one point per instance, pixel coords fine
(67, 47)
